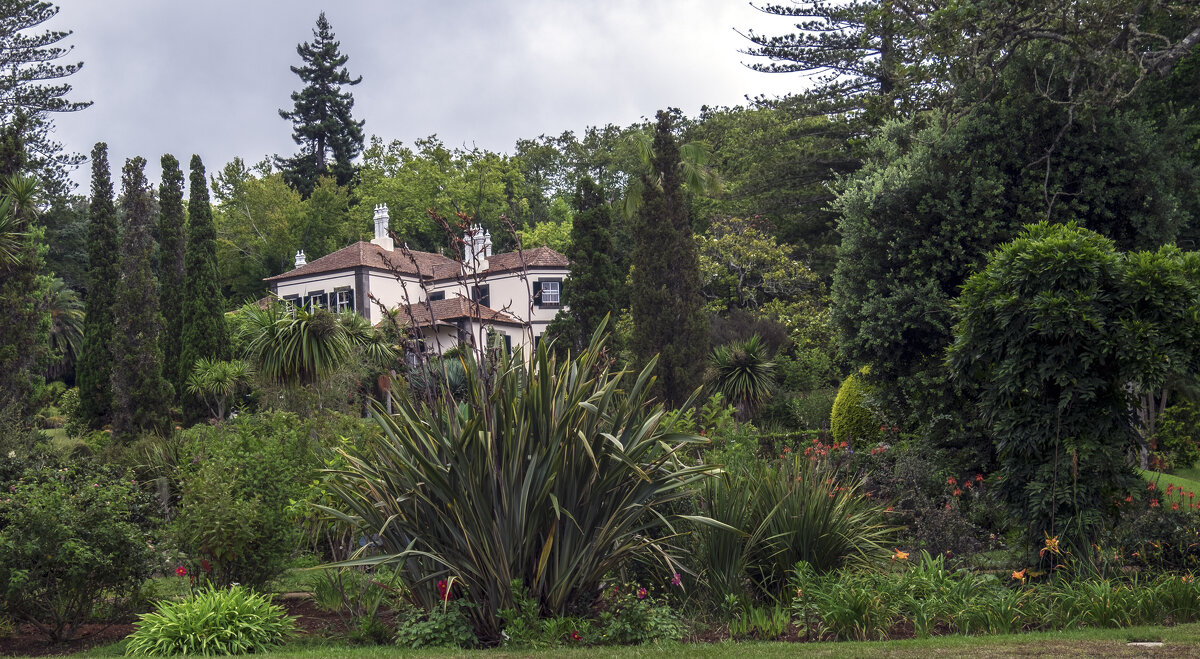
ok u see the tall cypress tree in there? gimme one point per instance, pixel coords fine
(203, 333)
(665, 298)
(594, 288)
(322, 123)
(172, 239)
(141, 394)
(94, 371)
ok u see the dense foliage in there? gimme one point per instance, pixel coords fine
(172, 240)
(204, 333)
(94, 373)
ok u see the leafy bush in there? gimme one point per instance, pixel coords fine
(1176, 434)
(554, 473)
(444, 626)
(213, 621)
(76, 423)
(1161, 535)
(71, 541)
(358, 597)
(795, 508)
(237, 483)
(634, 616)
(850, 421)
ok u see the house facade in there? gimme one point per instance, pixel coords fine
(443, 301)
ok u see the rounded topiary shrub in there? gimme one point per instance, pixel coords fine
(213, 622)
(850, 421)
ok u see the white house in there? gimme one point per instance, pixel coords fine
(515, 294)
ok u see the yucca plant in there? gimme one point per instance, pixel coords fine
(554, 473)
(212, 622)
(743, 373)
(216, 381)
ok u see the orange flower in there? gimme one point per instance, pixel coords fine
(1020, 575)
(950, 481)
(1051, 546)
(1128, 499)
(1187, 578)
(1175, 506)
(957, 491)
(899, 555)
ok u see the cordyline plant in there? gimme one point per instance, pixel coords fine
(553, 473)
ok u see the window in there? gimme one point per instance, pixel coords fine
(437, 295)
(316, 300)
(482, 294)
(547, 292)
(343, 300)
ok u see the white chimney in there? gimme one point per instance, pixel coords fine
(300, 259)
(478, 246)
(381, 229)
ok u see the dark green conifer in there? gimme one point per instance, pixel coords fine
(94, 371)
(141, 394)
(594, 289)
(322, 123)
(665, 297)
(203, 333)
(172, 239)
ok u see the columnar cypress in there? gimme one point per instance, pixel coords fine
(172, 239)
(665, 298)
(594, 289)
(94, 371)
(141, 394)
(203, 331)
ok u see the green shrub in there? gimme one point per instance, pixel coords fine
(812, 410)
(1159, 538)
(76, 423)
(849, 420)
(213, 621)
(633, 616)
(443, 626)
(1176, 434)
(72, 541)
(238, 480)
(554, 473)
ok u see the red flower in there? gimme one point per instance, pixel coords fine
(1129, 499)
(181, 571)
(950, 481)
(978, 478)
(1150, 486)
(957, 491)
(206, 565)
(444, 591)
(1175, 506)
(575, 636)
(1154, 503)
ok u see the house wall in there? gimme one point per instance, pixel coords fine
(325, 281)
(392, 292)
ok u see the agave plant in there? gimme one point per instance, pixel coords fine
(742, 372)
(554, 474)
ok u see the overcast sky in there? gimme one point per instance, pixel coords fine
(208, 77)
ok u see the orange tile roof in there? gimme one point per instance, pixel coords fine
(453, 308)
(371, 255)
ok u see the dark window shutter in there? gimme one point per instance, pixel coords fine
(350, 293)
(483, 294)
(537, 292)
(507, 344)
(437, 295)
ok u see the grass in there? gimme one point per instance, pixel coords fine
(1163, 480)
(1076, 643)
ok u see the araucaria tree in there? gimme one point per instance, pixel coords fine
(141, 394)
(203, 331)
(172, 239)
(665, 296)
(94, 371)
(322, 123)
(594, 289)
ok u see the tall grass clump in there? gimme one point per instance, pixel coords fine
(551, 473)
(212, 622)
(775, 514)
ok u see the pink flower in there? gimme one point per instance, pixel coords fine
(641, 593)
(676, 580)
(181, 571)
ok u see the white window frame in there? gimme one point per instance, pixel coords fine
(342, 301)
(551, 297)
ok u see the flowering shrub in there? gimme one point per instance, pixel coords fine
(1160, 529)
(72, 539)
(635, 616)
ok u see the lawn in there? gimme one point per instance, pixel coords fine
(1183, 480)
(1178, 640)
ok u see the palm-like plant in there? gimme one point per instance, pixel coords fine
(215, 382)
(698, 176)
(66, 326)
(19, 193)
(552, 473)
(293, 345)
(743, 373)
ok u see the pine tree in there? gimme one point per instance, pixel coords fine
(594, 289)
(203, 328)
(665, 296)
(141, 394)
(94, 371)
(322, 124)
(172, 239)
